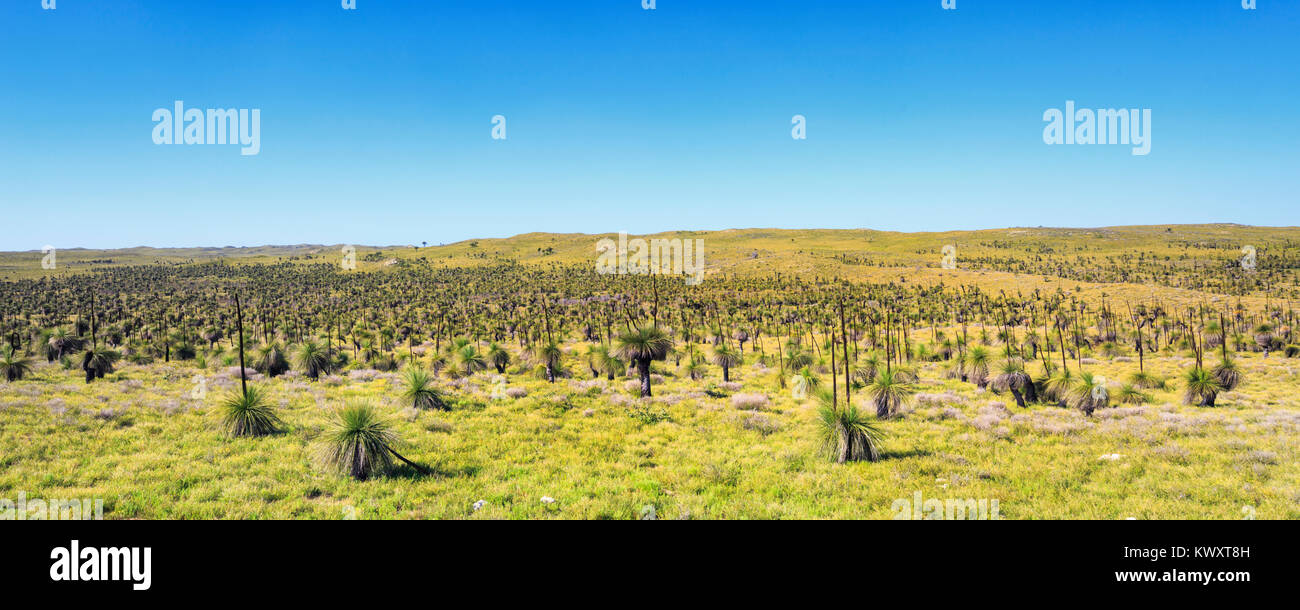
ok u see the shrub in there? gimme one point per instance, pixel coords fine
(246, 413)
(749, 402)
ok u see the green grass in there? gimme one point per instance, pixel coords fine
(158, 453)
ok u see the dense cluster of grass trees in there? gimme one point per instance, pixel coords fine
(1213, 266)
(833, 338)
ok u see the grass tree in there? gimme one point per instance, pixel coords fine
(1012, 378)
(60, 342)
(468, 360)
(977, 363)
(810, 380)
(607, 363)
(1143, 380)
(695, 369)
(1131, 395)
(726, 358)
(889, 393)
(642, 345)
(847, 434)
(312, 358)
(360, 443)
(1200, 387)
(269, 359)
(548, 355)
(1056, 386)
(246, 412)
(13, 366)
(498, 357)
(1089, 393)
(419, 391)
(864, 371)
(98, 361)
(1228, 374)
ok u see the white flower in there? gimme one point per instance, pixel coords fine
(1111, 456)
(480, 504)
(548, 500)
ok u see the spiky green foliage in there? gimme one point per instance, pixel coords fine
(312, 358)
(419, 390)
(1012, 378)
(847, 434)
(98, 361)
(1145, 381)
(603, 360)
(797, 359)
(726, 358)
(1057, 386)
(247, 413)
(695, 369)
(13, 366)
(468, 360)
(498, 357)
(269, 359)
(358, 442)
(456, 344)
(1089, 393)
(889, 393)
(977, 363)
(548, 355)
(864, 371)
(1228, 374)
(641, 346)
(811, 381)
(906, 374)
(1200, 388)
(1130, 395)
(957, 367)
(62, 341)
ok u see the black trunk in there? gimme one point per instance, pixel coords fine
(643, 371)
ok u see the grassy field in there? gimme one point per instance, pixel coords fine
(151, 450)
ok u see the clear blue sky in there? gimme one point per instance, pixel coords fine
(376, 122)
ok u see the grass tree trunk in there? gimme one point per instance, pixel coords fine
(643, 371)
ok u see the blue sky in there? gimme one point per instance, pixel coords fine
(376, 123)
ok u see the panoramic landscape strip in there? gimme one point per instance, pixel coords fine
(1112, 373)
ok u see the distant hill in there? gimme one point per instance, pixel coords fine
(1016, 258)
